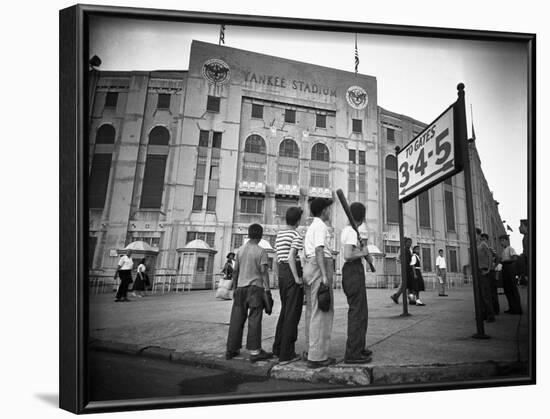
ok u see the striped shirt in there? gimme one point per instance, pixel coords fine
(287, 239)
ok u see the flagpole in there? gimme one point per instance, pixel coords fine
(356, 55)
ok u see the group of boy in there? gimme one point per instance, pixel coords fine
(313, 281)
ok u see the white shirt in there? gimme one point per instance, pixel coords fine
(440, 262)
(317, 235)
(347, 237)
(125, 263)
(141, 268)
(508, 253)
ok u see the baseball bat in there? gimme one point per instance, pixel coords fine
(344, 202)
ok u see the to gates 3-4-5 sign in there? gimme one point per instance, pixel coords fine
(430, 157)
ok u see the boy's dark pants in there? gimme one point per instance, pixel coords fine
(353, 283)
(125, 281)
(511, 288)
(247, 303)
(292, 301)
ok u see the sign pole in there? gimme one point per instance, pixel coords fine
(461, 133)
(402, 254)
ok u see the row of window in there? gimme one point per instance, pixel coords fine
(163, 100)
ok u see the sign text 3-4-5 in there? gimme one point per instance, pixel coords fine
(429, 157)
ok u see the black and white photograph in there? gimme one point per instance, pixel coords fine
(285, 211)
(277, 211)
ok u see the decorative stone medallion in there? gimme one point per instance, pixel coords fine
(357, 97)
(216, 71)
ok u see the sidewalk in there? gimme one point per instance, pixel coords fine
(433, 344)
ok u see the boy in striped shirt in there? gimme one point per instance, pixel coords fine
(287, 244)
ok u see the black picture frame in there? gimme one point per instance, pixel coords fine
(73, 294)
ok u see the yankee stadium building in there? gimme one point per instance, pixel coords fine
(182, 162)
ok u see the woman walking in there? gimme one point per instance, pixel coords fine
(141, 280)
(417, 282)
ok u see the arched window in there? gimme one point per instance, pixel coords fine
(105, 134)
(289, 148)
(155, 168)
(255, 144)
(159, 136)
(319, 152)
(392, 215)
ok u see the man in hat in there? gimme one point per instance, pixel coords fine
(523, 258)
(508, 260)
(319, 268)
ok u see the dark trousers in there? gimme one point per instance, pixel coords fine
(494, 291)
(487, 311)
(353, 283)
(511, 288)
(247, 304)
(125, 281)
(292, 301)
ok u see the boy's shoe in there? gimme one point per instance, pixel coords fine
(394, 298)
(320, 364)
(262, 356)
(366, 352)
(231, 354)
(419, 303)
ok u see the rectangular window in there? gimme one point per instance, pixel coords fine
(319, 178)
(111, 99)
(389, 248)
(153, 181)
(362, 183)
(197, 203)
(287, 174)
(351, 180)
(253, 172)
(448, 181)
(211, 204)
(257, 111)
(99, 180)
(200, 264)
(453, 259)
(282, 205)
(251, 205)
(237, 240)
(213, 104)
(392, 215)
(426, 259)
(357, 125)
(203, 138)
(352, 156)
(217, 140)
(201, 168)
(320, 121)
(361, 157)
(449, 211)
(208, 238)
(290, 116)
(163, 101)
(215, 170)
(424, 210)
(390, 135)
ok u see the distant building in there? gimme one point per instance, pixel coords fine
(178, 156)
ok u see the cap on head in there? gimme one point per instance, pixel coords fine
(317, 205)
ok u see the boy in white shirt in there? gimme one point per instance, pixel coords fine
(353, 283)
(441, 272)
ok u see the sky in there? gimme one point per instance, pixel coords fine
(416, 77)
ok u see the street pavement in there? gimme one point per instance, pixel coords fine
(433, 344)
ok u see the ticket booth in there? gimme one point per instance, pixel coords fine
(196, 265)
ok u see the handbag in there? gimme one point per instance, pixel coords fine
(323, 297)
(268, 302)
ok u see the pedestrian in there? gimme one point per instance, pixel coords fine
(353, 283)
(124, 272)
(508, 261)
(319, 268)
(288, 244)
(225, 285)
(408, 272)
(485, 262)
(229, 265)
(523, 258)
(441, 272)
(138, 289)
(417, 282)
(250, 282)
(493, 277)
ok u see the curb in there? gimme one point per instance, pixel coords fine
(342, 374)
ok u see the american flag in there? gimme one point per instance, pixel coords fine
(222, 34)
(356, 55)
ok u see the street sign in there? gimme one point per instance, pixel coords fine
(432, 156)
